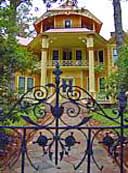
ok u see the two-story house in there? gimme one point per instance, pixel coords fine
(70, 35)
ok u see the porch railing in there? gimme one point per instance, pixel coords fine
(68, 62)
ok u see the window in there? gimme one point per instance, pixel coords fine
(55, 55)
(78, 55)
(102, 84)
(67, 54)
(68, 81)
(115, 55)
(67, 23)
(21, 84)
(29, 83)
(101, 57)
(25, 83)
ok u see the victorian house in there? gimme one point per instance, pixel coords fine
(71, 36)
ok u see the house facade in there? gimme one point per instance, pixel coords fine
(71, 36)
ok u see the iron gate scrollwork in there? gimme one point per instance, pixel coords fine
(63, 114)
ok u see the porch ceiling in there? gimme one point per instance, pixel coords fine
(75, 40)
(65, 40)
(69, 40)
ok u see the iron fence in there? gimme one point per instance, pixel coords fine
(62, 124)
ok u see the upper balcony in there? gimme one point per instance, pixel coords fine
(74, 64)
(68, 63)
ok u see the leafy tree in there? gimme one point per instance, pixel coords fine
(13, 57)
(111, 84)
(24, 19)
(119, 77)
(19, 14)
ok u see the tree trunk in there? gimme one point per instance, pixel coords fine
(118, 23)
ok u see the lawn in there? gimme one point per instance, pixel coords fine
(107, 122)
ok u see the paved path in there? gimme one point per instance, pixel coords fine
(66, 166)
(46, 166)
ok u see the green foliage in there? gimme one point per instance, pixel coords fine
(12, 54)
(99, 68)
(119, 77)
(13, 57)
(7, 26)
(16, 15)
(106, 122)
(112, 86)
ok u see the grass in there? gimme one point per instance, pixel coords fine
(17, 120)
(107, 122)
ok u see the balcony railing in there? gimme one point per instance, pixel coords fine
(68, 62)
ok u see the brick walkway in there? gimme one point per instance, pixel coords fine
(66, 166)
(46, 166)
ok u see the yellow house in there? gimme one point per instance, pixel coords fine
(70, 35)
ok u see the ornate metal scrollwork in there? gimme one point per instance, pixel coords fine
(63, 114)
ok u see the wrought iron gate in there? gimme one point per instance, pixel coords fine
(63, 115)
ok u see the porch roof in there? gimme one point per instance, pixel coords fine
(68, 30)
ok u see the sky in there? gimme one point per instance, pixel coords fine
(102, 9)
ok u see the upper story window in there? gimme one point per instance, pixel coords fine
(101, 56)
(78, 55)
(68, 23)
(67, 54)
(55, 55)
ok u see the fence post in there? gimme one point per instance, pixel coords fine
(23, 150)
(89, 151)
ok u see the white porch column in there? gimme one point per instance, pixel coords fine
(90, 45)
(44, 53)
